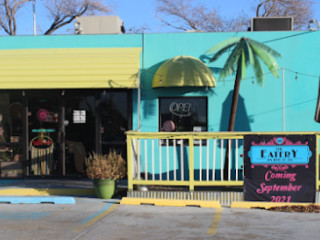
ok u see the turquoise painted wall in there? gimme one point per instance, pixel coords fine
(71, 41)
(260, 107)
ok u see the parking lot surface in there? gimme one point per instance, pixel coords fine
(91, 218)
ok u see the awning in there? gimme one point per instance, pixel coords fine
(69, 68)
(183, 71)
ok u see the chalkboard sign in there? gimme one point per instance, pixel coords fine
(279, 168)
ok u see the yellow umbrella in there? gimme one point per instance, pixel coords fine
(183, 71)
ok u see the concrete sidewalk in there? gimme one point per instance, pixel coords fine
(82, 187)
(44, 187)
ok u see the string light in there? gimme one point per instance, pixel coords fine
(253, 78)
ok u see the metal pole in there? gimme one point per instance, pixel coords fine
(139, 86)
(34, 18)
(62, 134)
(25, 127)
(283, 101)
(139, 102)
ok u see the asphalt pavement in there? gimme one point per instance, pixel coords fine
(83, 216)
(92, 218)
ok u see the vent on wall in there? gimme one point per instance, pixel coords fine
(272, 24)
(98, 25)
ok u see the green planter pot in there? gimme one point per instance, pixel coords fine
(104, 188)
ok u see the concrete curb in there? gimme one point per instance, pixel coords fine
(170, 202)
(266, 205)
(46, 192)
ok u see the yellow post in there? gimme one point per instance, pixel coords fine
(129, 162)
(191, 164)
(317, 163)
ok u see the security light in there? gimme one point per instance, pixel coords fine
(314, 25)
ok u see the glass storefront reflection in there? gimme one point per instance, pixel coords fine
(50, 132)
(11, 134)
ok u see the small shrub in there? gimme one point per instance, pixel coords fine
(106, 166)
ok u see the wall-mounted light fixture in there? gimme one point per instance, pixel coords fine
(314, 25)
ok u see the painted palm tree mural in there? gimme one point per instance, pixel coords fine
(244, 52)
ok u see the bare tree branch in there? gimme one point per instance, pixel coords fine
(190, 15)
(63, 12)
(8, 10)
(301, 10)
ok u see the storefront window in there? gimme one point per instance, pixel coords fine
(50, 132)
(183, 114)
(11, 133)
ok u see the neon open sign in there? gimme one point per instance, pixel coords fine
(181, 109)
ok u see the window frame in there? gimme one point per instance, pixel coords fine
(184, 97)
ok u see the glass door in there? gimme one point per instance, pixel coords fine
(80, 128)
(95, 121)
(115, 120)
(43, 120)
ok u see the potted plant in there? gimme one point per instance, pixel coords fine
(104, 170)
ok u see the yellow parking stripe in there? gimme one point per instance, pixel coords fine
(96, 218)
(215, 222)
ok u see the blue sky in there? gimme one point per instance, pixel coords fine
(132, 15)
(137, 13)
(142, 12)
